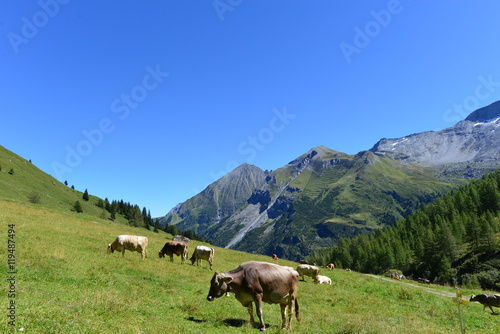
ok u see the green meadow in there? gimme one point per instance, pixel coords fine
(66, 283)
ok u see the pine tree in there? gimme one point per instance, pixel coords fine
(135, 216)
(112, 214)
(85, 195)
(488, 239)
(78, 207)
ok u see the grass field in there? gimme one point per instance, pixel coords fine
(66, 283)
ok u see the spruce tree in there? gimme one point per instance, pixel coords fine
(85, 195)
(78, 207)
(135, 216)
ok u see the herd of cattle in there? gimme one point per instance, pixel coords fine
(139, 244)
(252, 282)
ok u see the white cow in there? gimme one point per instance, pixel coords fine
(132, 243)
(307, 270)
(203, 253)
(320, 279)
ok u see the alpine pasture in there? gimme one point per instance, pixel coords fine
(66, 283)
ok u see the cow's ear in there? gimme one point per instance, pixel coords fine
(227, 279)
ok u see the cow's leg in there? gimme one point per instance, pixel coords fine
(283, 316)
(250, 311)
(171, 258)
(291, 302)
(258, 309)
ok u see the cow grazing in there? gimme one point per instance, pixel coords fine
(178, 248)
(203, 253)
(307, 270)
(257, 282)
(322, 280)
(275, 257)
(132, 243)
(331, 266)
(487, 300)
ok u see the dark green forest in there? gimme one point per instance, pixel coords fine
(455, 240)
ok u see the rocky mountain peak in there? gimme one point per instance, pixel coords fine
(485, 114)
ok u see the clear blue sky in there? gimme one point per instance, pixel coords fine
(150, 102)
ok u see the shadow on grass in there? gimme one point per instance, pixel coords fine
(230, 322)
(196, 320)
(241, 323)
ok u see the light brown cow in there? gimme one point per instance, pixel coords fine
(307, 270)
(132, 243)
(257, 282)
(178, 248)
(331, 266)
(203, 253)
(487, 300)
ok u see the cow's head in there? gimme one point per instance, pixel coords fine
(218, 286)
(192, 259)
(161, 255)
(110, 249)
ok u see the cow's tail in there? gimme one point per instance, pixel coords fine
(297, 314)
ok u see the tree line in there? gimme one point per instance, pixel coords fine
(453, 240)
(134, 216)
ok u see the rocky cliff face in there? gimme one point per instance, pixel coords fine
(470, 148)
(217, 201)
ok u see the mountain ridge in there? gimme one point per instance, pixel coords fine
(324, 194)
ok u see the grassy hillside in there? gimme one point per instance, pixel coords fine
(27, 180)
(65, 283)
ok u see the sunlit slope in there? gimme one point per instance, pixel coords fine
(27, 180)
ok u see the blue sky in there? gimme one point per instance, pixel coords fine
(150, 102)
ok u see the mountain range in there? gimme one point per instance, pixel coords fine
(324, 195)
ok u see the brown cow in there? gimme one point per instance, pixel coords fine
(178, 248)
(331, 266)
(487, 300)
(259, 282)
(275, 257)
(132, 243)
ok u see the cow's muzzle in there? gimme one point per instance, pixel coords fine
(210, 298)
